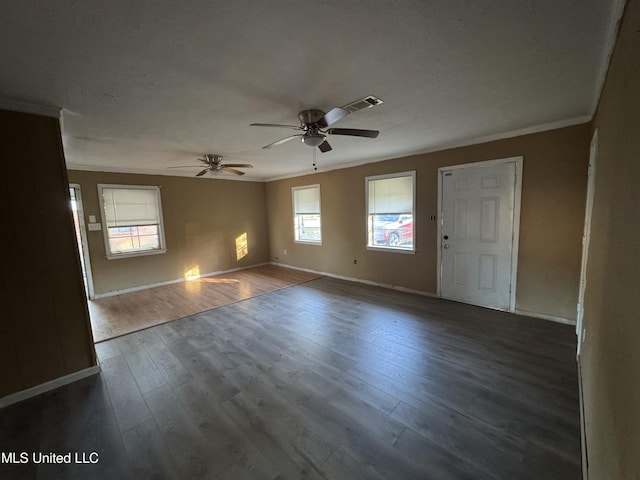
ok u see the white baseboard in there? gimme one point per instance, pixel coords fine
(358, 280)
(544, 316)
(171, 282)
(46, 386)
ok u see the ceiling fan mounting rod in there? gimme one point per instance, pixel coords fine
(310, 117)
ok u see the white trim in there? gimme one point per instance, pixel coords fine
(47, 386)
(84, 240)
(610, 43)
(586, 238)
(163, 173)
(439, 239)
(358, 280)
(171, 282)
(545, 127)
(365, 161)
(517, 201)
(141, 253)
(544, 316)
(44, 110)
(484, 163)
(391, 249)
(385, 176)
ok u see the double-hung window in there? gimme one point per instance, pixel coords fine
(390, 211)
(132, 217)
(307, 226)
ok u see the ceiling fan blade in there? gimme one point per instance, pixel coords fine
(324, 147)
(332, 116)
(241, 165)
(295, 127)
(199, 174)
(354, 132)
(283, 140)
(232, 170)
(185, 166)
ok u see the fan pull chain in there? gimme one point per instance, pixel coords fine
(315, 168)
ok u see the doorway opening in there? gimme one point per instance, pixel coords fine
(81, 238)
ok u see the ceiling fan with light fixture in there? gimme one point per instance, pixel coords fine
(214, 164)
(314, 123)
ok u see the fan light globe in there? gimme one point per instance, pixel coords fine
(313, 140)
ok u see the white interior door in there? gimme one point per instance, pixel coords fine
(479, 203)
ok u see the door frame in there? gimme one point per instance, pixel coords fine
(586, 238)
(83, 240)
(515, 240)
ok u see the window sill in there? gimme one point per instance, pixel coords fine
(392, 250)
(135, 254)
(308, 242)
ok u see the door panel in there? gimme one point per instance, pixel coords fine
(488, 272)
(460, 269)
(489, 211)
(477, 234)
(461, 220)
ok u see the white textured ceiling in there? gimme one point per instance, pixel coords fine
(148, 84)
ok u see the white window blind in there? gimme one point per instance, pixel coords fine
(391, 195)
(132, 217)
(129, 207)
(307, 200)
(307, 226)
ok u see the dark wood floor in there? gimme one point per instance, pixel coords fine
(328, 379)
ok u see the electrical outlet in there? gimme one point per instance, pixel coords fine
(285, 251)
(584, 334)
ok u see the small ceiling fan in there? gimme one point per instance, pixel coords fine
(214, 164)
(314, 122)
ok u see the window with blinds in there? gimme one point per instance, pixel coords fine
(132, 217)
(307, 226)
(390, 211)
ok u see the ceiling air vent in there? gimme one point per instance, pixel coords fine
(361, 104)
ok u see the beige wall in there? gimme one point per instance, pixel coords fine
(552, 214)
(44, 322)
(610, 358)
(202, 219)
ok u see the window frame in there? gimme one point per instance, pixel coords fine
(105, 228)
(315, 186)
(384, 248)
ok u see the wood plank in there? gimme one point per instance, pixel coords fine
(128, 404)
(119, 315)
(187, 445)
(326, 379)
(147, 452)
